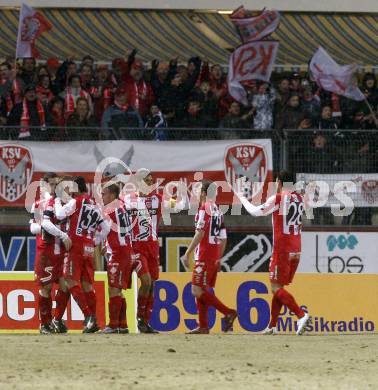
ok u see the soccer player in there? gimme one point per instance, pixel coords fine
(120, 263)
(209, 242)
(49, 257)
(287, 207)
(84, 219)
(145, 210)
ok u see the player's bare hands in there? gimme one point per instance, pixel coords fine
(185, 260)
(67, 243)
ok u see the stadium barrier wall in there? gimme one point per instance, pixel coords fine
(337, 303)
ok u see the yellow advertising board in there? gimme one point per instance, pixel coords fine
(337, 303)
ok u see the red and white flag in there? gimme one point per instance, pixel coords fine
(257, 27)
(31, 25)
(333, 77)
(252, 61)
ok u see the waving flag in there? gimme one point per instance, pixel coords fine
(252, 61)
(257, 27)
(31, 25)
(334, 78)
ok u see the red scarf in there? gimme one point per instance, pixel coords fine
(25, 118)
(140, 91)
(122, 107)
(70, 100)
(44, 93)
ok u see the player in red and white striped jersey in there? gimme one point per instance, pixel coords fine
(84, 219)
(209, 242)
(51, 245)
(287, 208)
(120, 263)
(145, 209)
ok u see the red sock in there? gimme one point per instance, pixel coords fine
(44, 308)
(211, 300)
(61, 299)
(275, 311)
(115, 304)
(91, 301)
(142, 305)
(49, 303)
(287, 299)
(122, 314)
(149, 307)
(79, 297)
(202, 313)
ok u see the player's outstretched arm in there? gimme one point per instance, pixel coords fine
(100, 235)
(56, 232)
(65, 211)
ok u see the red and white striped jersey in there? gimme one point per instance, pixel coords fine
(145, 214)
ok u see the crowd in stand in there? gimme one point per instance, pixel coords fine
(129, 94)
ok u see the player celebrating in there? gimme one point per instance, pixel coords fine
(287, 208)
(49, 258)
(84, 220)
(209, 242)
(145, 209)
(120, 265)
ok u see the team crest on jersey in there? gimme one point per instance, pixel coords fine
(246, 160)
(16, 171)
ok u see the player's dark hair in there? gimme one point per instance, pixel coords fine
(49, 175)
(209, 188)
(114, 189)
(81, 185)
(286, 177)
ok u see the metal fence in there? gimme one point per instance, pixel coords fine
(330, 156)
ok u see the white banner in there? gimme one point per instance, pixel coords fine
(335, 78)
(252, 61)
(365, 185)
(339, 252)
(221, 161)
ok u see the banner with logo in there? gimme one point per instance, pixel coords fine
(339, 252)
(189, 161)
(245, 252)
(19, 303)
(254, 28)
(363, 194)
(337, 303)
(252, 61)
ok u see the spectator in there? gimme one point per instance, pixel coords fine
(43, 89)
(327, 122)
(10, 88)
(263, 104)
(53, 65)
(311, 104)
(88, 61)
(28, 71)
(295, 84)
(194, 117)
(292, 116)
(29, 113)
(157, 122)
(208, 103)
(55, 112)
(82, 118)
(369, 88)
(234, 119)
(64, 73)
(86, 77)
(282, 95)
(140, 95)
(72, 93)
(161, 76)
(101, 91)
(120, 114)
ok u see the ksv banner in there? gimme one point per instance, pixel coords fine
(337, 303)
(188, 161)
(339, 252)
(364, 193)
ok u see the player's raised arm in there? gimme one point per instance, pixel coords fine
(65, 211)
